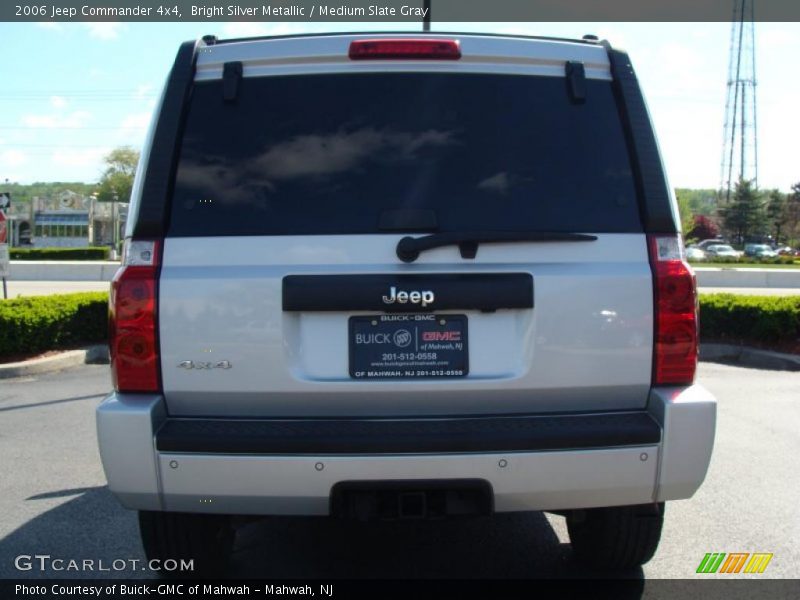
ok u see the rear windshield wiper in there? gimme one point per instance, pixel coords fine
(409, 248)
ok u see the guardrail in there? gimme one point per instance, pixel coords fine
(85, 270)
(747, 277)
(62, 270)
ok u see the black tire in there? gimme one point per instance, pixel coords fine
(207, 540)
(619, 537)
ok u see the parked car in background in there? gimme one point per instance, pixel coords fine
(694, 252)
(759, 251)
(721, 251)
(787, 251)
(703, 245)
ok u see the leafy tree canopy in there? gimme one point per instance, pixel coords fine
(700, 201)
(745, 217)
(117, 179)
(685, 214)
(704, 228)
(776, 214)
(21, 193)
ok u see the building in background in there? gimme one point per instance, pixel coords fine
(103, 217)
(20, 223)
(67, 220)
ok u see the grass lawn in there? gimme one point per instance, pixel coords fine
(714, 265)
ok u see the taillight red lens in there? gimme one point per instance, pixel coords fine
(133, 310)
(410, 49)
(675, 292)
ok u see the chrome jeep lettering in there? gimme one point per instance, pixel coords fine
(423, 298)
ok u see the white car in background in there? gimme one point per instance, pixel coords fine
(721, 251)
(695, 253)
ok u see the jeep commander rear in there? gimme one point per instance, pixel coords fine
(403, 276)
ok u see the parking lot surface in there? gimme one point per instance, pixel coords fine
(55, 501)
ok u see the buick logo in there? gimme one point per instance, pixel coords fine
(423, 298)
(402, 338)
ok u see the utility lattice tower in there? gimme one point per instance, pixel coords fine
(740, 141)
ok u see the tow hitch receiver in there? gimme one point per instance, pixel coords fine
(395, 500)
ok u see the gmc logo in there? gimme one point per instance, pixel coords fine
(441, 336)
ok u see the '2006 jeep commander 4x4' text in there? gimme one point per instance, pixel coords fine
(403, 276)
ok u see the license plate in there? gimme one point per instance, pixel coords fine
(419, 346)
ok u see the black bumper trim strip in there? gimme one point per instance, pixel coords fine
(391, 436)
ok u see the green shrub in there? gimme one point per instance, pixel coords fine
(91, 253)
(731, 317)
(40, 323)
(746, 260)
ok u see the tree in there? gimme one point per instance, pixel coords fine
(744, 217)
(685, 214)
(701, 201)
(793, 212)
(26, 192)
(776, 214)
(117, 179)
(703, 229)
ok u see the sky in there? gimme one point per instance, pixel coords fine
(71, 92)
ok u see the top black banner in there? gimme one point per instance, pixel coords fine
(440, 11)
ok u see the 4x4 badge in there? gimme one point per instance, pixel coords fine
(190, 364)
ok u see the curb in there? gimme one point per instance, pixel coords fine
(749, 357)
(63, 270)
(744, 277)
(93, 355)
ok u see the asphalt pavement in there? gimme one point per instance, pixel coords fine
(55, 501)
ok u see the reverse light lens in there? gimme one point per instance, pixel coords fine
(668, 248)
(675, 306)
(139, 253)
(408, 49)
(133, 308)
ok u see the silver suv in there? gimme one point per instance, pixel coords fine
(403, 276)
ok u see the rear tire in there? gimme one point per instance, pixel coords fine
(619, 537)
(205, 539)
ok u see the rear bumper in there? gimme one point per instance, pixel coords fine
(290, 467)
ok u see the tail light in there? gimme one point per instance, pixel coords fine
(675, 294)
(133, 312)
(410, 49)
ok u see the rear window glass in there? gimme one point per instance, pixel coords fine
(336, 154)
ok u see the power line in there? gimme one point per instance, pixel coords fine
(38, 128)
(66, 93)
(81, 100)
(13, 145)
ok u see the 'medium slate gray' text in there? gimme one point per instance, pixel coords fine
(323, 10)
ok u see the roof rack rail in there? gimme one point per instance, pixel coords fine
(417, 33)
